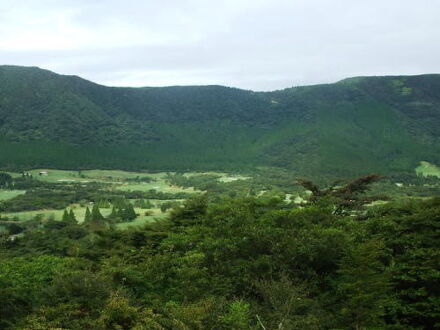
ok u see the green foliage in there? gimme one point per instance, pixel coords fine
(364, 284)
(143, 204)
(217, 262)
(328, 129)
(21, 282)
(96, 215)
(51, 196)
(69, 216)
(289, 303)
(341, 198)
(410, 230)
(168, 205)
(72, 216)
(122, 211)
(65, 216)
(5, 179)
(238, 315)
(88, 215)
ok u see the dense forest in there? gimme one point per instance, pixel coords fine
(221, 262)
(50, 120)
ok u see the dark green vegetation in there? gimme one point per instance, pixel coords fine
(231, 263)
(359, 125)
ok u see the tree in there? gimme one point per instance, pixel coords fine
(129, 213)
(5, 179)
(237, 316)
(118, 313)
(88, 215)
(72, 217)
(66, 217)
(289, 304)
(410, 231)
(346, 197)
(96, 215)
(114, 213)
(363, 286)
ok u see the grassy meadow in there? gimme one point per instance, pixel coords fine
(160, 187)
(114, 181)
(426, 169)
(8, 194)
(80, 211)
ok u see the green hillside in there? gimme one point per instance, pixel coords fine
(358, 125)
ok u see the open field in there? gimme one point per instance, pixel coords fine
(8, 194)
(143, 219)
(222, 176)
(159, 185)
(51, 175)
(155, 213)
(116, 180)
(427, 169)
(54, 214)
(231, 178)
(120, 179)
(118, 176)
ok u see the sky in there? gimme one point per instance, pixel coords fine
(250, 44)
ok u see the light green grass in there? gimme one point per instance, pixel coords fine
(117, 177)
(56, 175)
(55, 214)
(14, 174)
(8, 194)
(89, 175)
(230, 178)
(143, 219)
(28, 215)
(427, 169)
(118, 181)
(79, 211)
(223, 177)
(161, 186)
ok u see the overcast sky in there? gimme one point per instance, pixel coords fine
(252, 44)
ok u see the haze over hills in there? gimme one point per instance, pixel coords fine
(355, 126)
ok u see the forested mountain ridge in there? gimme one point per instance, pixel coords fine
(358, 125)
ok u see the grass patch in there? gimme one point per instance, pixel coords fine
(143, 219)
(51, 175)
(231, 178)
(161, 186)
(8, 194)
(155, 214)
(117, 177)
(426, 169)
(52, 214)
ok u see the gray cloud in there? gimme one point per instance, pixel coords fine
(259, 44)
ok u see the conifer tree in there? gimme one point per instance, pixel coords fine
(114, 213)
(146, 204)
(130, 214)
(88, 216)
(66, 216)
(72, 217)
(96, 215)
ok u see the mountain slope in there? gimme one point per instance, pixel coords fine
(358, 125)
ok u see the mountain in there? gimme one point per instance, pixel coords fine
(355, 126)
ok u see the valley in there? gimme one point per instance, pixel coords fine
(58, 121)
(152, 194)
(209, 207)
